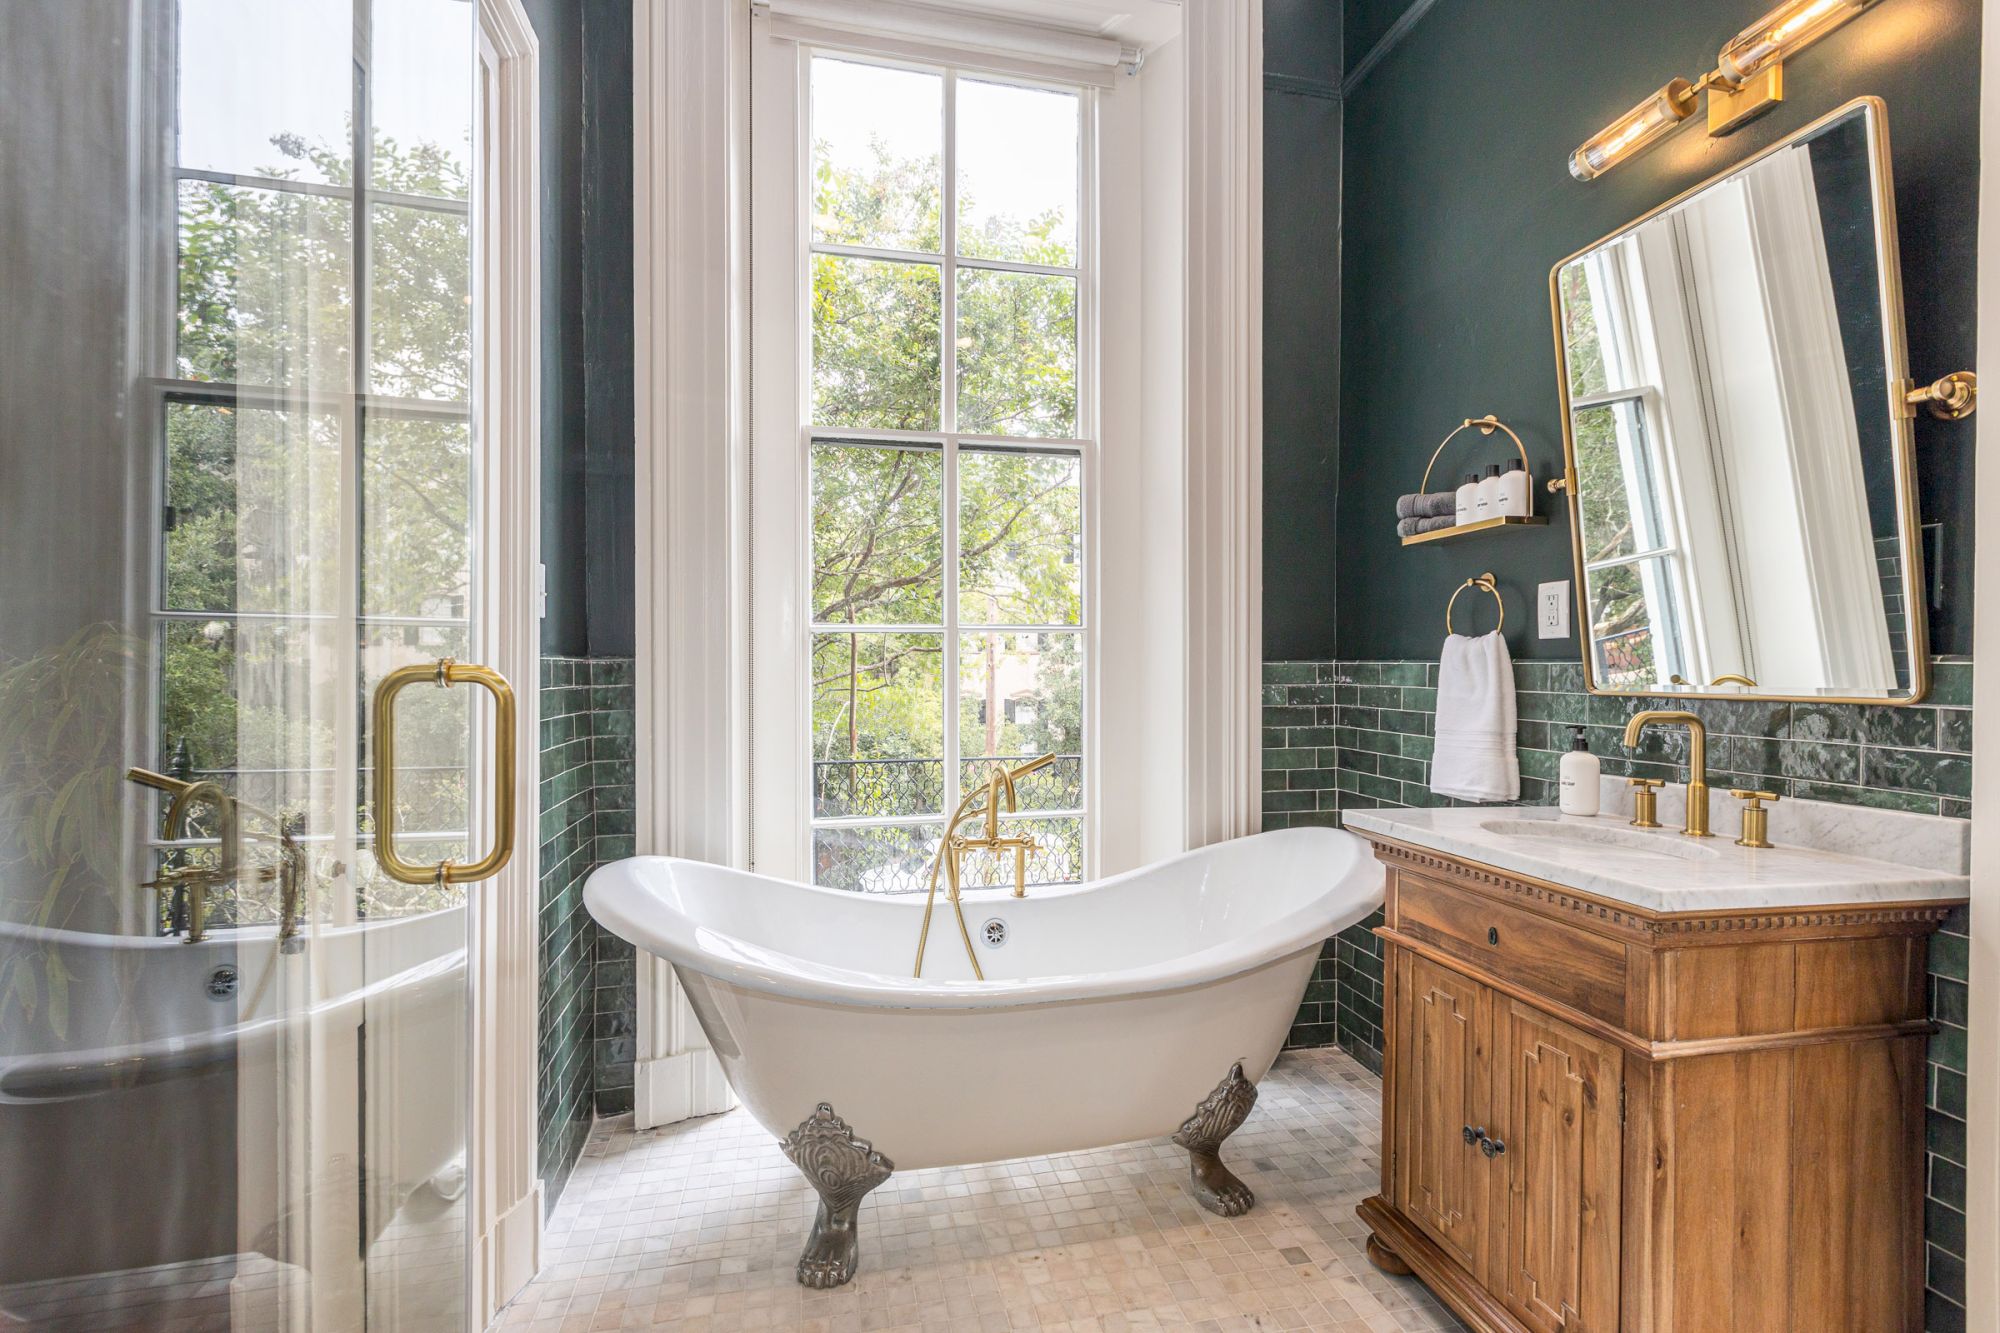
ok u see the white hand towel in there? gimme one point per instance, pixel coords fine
(1474, 758)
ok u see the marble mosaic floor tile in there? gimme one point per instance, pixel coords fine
(696, 1227)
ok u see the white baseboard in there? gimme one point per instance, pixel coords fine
(512, 1252)
(679, 1087)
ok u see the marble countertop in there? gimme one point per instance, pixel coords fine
(1661, 870)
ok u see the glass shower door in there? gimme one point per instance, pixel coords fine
(237, 470)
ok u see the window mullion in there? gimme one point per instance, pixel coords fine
(948, 417)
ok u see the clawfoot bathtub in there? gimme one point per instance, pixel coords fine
(1136, 1007)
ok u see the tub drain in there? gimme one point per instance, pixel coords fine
(994, 932)
(222, 982)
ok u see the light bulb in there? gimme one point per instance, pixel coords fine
(1632, 131)
(1781, 32)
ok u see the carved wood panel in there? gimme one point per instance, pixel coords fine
(1558, 1253)
(1441, 1179)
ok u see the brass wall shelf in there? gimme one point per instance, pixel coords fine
(1483, 525)
(1485, 425)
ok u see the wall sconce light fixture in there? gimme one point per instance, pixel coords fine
(1748, 80)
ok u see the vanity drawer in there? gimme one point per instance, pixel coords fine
(1567, 965)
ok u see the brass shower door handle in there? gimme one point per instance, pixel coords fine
(445, 673)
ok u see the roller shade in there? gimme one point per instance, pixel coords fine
(974, 41)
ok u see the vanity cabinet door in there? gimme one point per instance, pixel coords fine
(1441, 1181)
(1558, 1090)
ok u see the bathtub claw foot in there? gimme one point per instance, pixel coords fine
(1220, 1114)
(842, 1169)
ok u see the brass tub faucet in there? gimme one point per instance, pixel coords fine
(954, 845)
(196, 882)
(1697, 787)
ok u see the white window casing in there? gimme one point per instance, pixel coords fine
(1172, 490)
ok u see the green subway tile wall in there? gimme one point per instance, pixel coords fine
(586, 817)
(1356, 735)
(615, 1025)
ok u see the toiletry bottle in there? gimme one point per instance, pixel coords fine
(1468, 499)
(1514, 490)
(1578, 773)
(1486, 494)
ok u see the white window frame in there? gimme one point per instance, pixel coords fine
(783, 654)
(1178, 500)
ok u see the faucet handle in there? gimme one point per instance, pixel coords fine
(1645, 802)
(1756, 819)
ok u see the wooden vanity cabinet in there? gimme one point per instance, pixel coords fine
(1600, 1118)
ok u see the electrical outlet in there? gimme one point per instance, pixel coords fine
(1552, 610)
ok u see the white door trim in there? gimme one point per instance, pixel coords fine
(502, 945)
(1982, 1184)
(690, 92)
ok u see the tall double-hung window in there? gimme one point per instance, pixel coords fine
(948, 431)
(313, 424)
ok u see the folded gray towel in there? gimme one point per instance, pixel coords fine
(1410, 527)
(1436, 504)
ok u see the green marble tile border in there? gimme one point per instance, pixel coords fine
(585, 1026)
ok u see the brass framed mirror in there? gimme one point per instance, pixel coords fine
(1738, 449)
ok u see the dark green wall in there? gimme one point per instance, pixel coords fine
(1302, 46)
(586, 126)
(607, 326)
(1367, 22)
(1459, 201)
(559, 34)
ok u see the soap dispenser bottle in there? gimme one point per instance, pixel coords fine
(1468, 499)
(1486, 495)
(1514, 490)
(1578, 774)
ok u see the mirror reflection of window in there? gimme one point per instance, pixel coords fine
(1727, 371)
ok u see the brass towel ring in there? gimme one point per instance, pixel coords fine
(1485, 584)
(1485, 425)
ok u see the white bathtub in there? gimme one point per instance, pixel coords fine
(1108, 1013)
(147, 1131)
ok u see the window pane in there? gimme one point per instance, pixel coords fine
(876, 344)
(1020, 538)
(266, 88)
(246, 703)
(420, 96)
(419, 303)
(265, 279)
(434, 730)
(1582, 340)
(878, 535)
(1020, 696)
(878, 723)
(1057, 858)
(1017, 173)
(878, 137)
(1621, 627)
(1617, 488)
(890, 859)
(253, 507)
(1016, 354)
(416, 478)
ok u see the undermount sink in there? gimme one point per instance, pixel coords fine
(1599, 837)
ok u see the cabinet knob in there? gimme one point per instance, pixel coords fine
(1473, 1135)
(1491, 1147)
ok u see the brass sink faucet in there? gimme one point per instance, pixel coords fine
(1697, 787)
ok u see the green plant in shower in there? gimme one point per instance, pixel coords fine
(62, 769)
